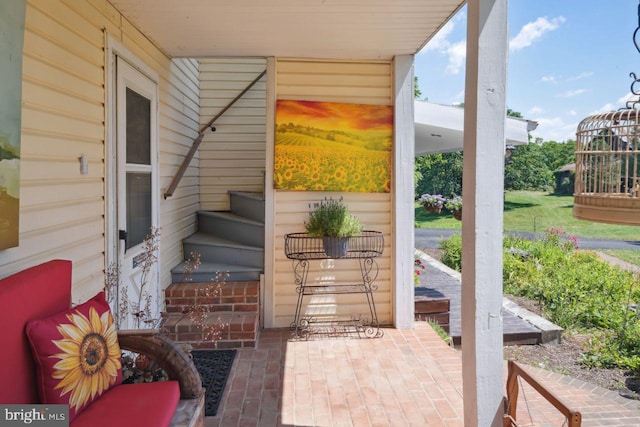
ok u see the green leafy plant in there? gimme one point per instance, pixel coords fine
(440, 331)
(332, 218)
(418, 268)
(454, 204)
(452, 251)
(574, 289)
(432, 200)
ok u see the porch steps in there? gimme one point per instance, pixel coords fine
(233, 309)
(227, 241)
(432, 308)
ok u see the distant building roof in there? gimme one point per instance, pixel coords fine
(567, 168)
(439, 128)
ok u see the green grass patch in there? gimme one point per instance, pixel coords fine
(441, 332)
(535, 211)
(629, 256)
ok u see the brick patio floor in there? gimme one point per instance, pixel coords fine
(405, 378)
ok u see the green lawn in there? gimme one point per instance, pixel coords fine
(535, 212)
(629, 256)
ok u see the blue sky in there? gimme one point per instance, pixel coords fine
(568, 59)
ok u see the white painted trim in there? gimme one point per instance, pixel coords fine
(115, 48)
(268, 304)
(403, 194)
(482, 216)
(111, 213)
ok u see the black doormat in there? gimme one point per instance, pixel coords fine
(214, 367)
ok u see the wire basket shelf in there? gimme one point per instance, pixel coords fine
(302, 246)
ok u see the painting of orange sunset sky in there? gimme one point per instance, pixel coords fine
(328, 146)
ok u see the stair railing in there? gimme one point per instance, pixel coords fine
(196, 142)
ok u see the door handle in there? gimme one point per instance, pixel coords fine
(122, 235)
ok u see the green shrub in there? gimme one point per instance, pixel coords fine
(576, 290)
(452, 251)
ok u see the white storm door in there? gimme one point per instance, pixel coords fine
(137, 195)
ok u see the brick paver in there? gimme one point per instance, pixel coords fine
(405, 378)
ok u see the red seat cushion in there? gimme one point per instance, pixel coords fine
(33, 293)
(132, 405)
(77, 354)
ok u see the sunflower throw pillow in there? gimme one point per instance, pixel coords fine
(77, 354)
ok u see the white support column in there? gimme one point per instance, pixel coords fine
(484, 122)
(267, 293)
(403, 189)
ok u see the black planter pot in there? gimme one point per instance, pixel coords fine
(335, 247)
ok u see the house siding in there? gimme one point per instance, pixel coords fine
(62, 213)
(332, 81)
(232, 157)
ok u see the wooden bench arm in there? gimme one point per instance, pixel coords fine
(168, 355)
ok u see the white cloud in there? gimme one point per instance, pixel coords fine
(583, 75)
(439, 41)
(533, 31)
(572, 113)
(457, 54)
(536, 110)
(554, 129)
(459, 98)
(620, 103)
(548, 79)
(571, 93)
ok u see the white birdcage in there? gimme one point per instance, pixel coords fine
(607, 181)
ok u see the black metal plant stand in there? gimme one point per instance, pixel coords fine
(302, 248)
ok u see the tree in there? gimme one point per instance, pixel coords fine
(513, 113)
(439, 174)
(527, 169)
(559, 154)
(417, 93)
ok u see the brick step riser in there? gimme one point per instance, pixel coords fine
(181, 305)
(233, 297)
(240, 331)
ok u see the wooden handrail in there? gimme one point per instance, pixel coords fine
(196, 142)
(574, 418)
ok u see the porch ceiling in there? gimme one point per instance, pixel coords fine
(337, 29)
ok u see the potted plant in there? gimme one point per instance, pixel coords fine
(455, 206)
(332, 221)
(432, 202)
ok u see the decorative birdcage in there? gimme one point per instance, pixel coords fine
(607, 183)
(607, 179)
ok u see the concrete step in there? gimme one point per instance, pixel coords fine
(208, 271)
(231, 226)
(224, 251)
(233, 330)
(230, 297)
(248, 205)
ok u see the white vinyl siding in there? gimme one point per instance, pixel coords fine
(232, 157)
(62, 213)
(332, 81)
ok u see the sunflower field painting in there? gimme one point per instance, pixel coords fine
(328, 146)
(12, 15)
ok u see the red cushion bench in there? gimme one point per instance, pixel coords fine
(45, 290)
